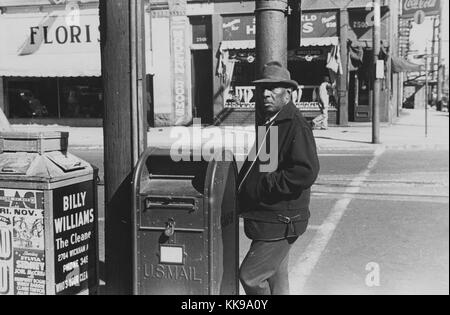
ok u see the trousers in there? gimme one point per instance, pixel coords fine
(264, 270)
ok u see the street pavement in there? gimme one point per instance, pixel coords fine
(380, 219)
(380, 208)
(379, 225)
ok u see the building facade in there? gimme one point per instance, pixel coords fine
(336, 41)
(50, 60)
(200, 58)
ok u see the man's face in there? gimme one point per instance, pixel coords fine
(274, 98)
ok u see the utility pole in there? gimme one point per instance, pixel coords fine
(433, 63)
(440, 74)
(123, 71)
(377, 81)
(271, 36)
(426, 91)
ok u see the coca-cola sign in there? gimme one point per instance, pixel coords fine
(430, 7)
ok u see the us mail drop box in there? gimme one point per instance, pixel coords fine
(48, 217)
(185, 225)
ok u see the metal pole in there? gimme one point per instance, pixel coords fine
(342, 80)
(433, 50)
(426, 92)
(271, 32)
(271, 37)
(377, 81)
(440, 74)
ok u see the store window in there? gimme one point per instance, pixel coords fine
(54, 97)
(308, 66)
(241, 92)
(29, 98)
(81, 98)
(309, 75)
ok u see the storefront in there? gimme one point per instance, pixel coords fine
(200, 62)
(51, 63)
(50, 66)
(182, 57)
(360, 64)
(318, 56)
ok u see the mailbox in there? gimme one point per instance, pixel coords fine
(48, 217)
(186, 226)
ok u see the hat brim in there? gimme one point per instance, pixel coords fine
(290, 83)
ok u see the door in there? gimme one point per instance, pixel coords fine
(202, 85)
(363, 87)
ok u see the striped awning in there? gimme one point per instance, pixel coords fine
(306, 42)
(238, 44)
(319, 41)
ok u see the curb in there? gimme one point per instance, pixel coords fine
(85, 148)
(416, 147)
(367, 147)
(404, 147)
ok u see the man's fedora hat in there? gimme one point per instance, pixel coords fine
(274, 72)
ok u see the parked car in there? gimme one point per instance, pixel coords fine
(23, 104)
(442, 105)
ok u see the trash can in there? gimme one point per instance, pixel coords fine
(48, 217)
(186, 228)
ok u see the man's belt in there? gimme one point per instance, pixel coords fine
(274, 218)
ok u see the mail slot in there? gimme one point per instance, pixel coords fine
(186, 228)
(48, 217)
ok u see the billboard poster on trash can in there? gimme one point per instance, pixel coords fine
(29, 272)
(75, 241)
(22, 242)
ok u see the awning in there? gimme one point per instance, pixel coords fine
(320, 41)
(72, 65)
(306, 42)
(238, 44)
(402, 65)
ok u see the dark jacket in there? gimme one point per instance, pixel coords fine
(276, 205)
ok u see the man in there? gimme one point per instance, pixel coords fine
(275, 205)
(324, 103)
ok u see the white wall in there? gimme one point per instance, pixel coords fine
(161, 66)
(2, 95)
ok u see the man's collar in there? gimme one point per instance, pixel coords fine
(272, 119)
(286, 113)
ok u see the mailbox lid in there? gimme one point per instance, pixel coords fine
(164, 199)
(16, 163)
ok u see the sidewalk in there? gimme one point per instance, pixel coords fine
(408, 132)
